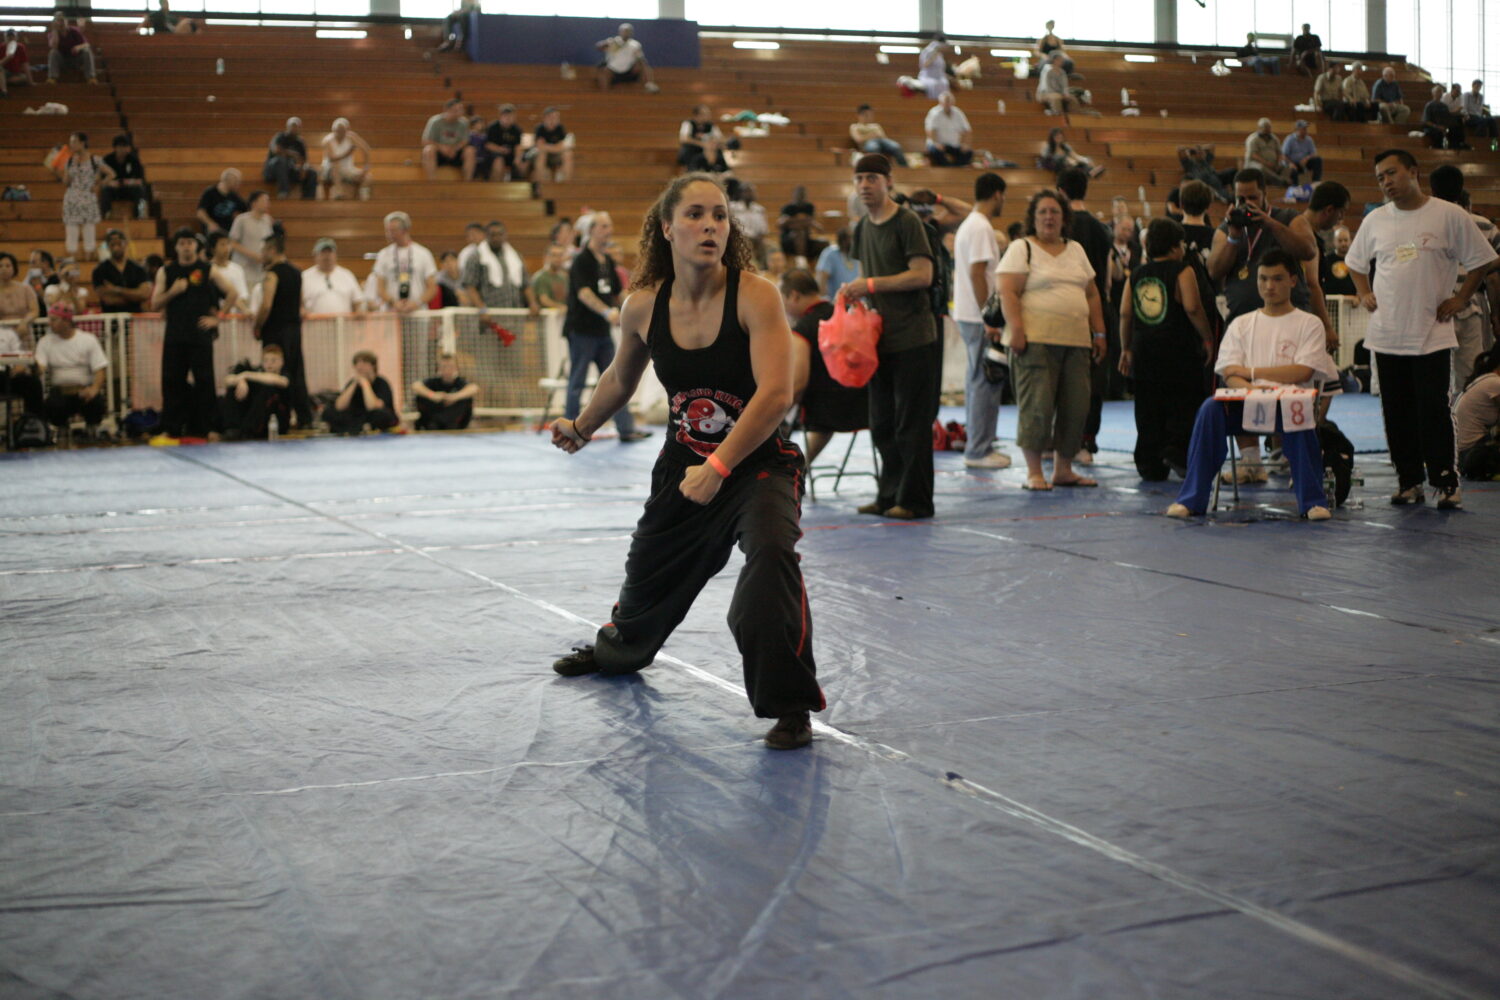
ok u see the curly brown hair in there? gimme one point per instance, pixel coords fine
(654, 258)
(1043, 195)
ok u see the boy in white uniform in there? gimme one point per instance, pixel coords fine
(1276, 345)
(1418, 245)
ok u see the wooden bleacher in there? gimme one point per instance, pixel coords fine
(158, 88)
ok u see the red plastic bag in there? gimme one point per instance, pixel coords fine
(848, 340)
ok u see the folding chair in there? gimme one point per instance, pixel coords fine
(838, 472)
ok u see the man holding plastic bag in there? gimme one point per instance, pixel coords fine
(897, 262)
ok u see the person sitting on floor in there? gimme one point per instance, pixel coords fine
(253, 396)
(445, 401)
(366, 400)
(1277, 345)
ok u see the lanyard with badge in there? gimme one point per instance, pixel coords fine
(403, 275)
(1250, 254)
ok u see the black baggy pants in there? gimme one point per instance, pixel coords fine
(187, 408)
(902, 409)
(1418, 423)
(289, 339)
(1164, 417)
(444, 417)
(62, 406)
(678, 546)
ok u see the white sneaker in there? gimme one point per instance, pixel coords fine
(994, 460)
(1317, 514)
(1450, 499)
(1178, 510)
(1084, 457)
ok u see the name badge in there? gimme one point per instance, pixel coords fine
(1406, 253)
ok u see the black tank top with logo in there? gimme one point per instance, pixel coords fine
(286, 306)
(1164, 345)
(200, 299)
(708, 388)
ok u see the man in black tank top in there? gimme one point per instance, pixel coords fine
(722, 350)
(189, 290)
(280, 321)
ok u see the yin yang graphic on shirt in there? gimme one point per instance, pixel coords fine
(704, 418)
(1150, 301)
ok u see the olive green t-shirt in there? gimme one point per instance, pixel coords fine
(884, 249)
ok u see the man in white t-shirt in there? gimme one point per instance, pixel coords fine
(949, 137)
(976, 253)
(327, 287)
(1418, 245)
(624, 61)
(1273, 346)
(405, 273)
(73, 363)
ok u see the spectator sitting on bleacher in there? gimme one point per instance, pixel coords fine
(824, 406)
(1198, 165)
(1301, 153)
(1476, 115)
(340, 166)
(328, 288)
(67, 45)
(68, 288)
(549, 286)
(1052, 91)
(1263, 153)
(1050, 45)
(869, 137)
(551, 147)
(74, 363)
(700, 143)
(220, 203)
(129, 182)
(1444, 129)
(798, 222)
(483, 158)
(41, 271)
(932, 71)
(218, 252)
(405, 271)
(163, 22)
(624, 61)
(1454, 99)
(1328, 94)
(456, 26)
(248, 235)
(445, 401)
(495, 275)
(445, 141)
(366, 400)
(1056, 155)
(286, 162)
(949, 137)
(121, 284)
(502, 141)
(1307, 52)
(1357, 104)
(1275, 345)
(15, 63)
(1476, 420)
(749, 216)
(1249, 54)
(1386, 97)
(252, 396)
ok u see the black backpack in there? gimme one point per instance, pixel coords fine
(1338, 458)
(32, 432)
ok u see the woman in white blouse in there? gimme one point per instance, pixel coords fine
(1054, 323)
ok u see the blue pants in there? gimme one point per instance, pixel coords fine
(1218, 419)
(583, 351)
(981, 396)
(284, 172)
(888, 147)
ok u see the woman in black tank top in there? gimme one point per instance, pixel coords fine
(721, 347)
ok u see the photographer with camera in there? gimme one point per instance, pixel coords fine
(405, 272)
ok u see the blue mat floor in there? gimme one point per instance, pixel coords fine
(278, 721)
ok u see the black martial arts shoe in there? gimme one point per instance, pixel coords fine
(577, 663)
(634, 436)
(791, 732)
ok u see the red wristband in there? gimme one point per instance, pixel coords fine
(717, 464)
(939, 198)
(870, 285)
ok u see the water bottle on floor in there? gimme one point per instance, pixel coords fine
(273, 429)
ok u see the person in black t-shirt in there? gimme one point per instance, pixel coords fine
(700, 144)
(501, 141)
(219, 204)
(253, 396)
(121, 284)
(1165, 343)
(1333, 273)
(279, 320)
(593, 307)
(445, 401)
(552, 147)
(129, 181)
(826, 406)
(286, 162)
(1098, 244)
(366, 400)
(189, 289)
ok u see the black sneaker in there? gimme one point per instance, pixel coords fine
(791, 732)
(577, 663)
(634, 436)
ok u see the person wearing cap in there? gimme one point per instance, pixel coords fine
(346, 161)
(502, 140)
(286, 162)
(327, 287)
(897, 262)
(1263, 153)
(1301, 153)
(405, 272)
(188, 290)
(121, 284)
(73, 363)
